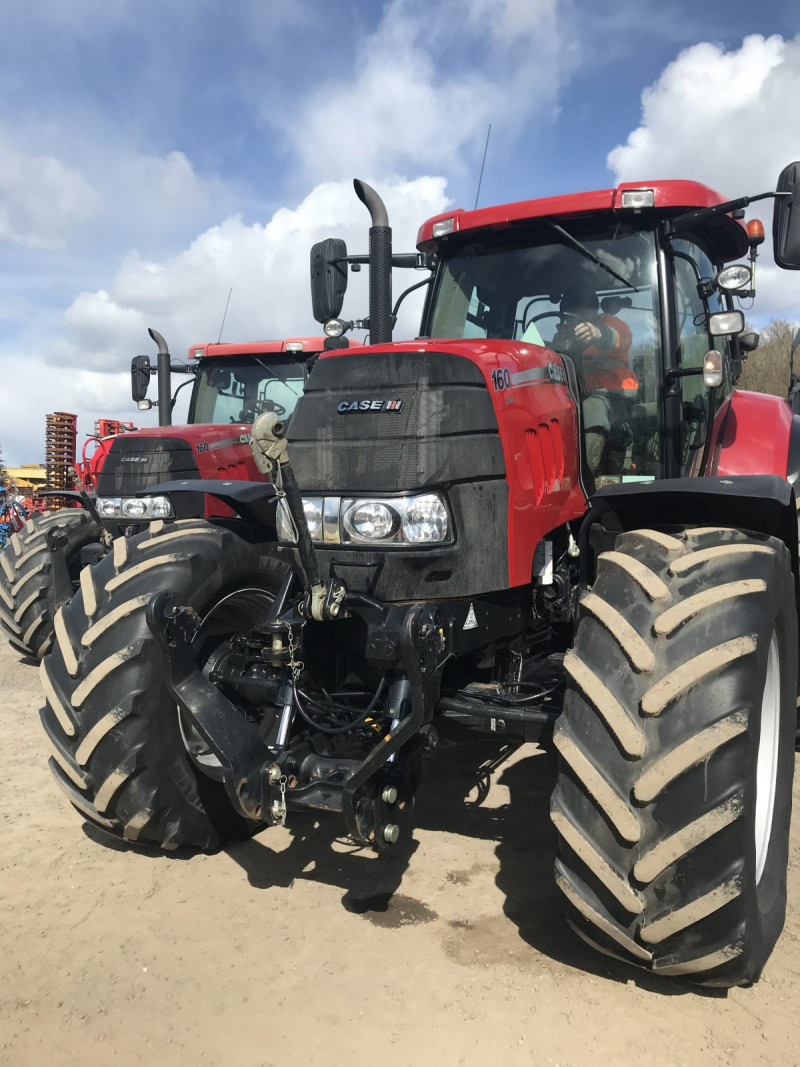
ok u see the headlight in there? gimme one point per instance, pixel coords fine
(286, 530)
(108, 506)
(392, 522)
(159, 507)
(734, 277)
(313, 510)
(312, 506)
(137, 508)
(134, 509)
(371, 520)
(425, 519)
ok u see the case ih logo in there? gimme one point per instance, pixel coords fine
(134, 459)
(353, 406)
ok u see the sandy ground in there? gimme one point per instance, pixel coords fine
(293, 947)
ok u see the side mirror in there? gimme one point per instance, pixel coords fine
(723, 323)
(748, 342)
(140, 378)
(786, 219)
(328, 278)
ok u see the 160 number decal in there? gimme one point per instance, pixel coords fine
(501, 379)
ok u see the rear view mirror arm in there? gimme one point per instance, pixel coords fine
(681, 223)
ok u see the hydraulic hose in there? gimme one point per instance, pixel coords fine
(345, 726)
(305, 545)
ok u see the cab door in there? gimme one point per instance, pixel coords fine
(704, 409)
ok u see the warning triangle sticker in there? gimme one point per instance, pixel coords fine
(472, 619)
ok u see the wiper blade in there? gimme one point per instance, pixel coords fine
(584, 251)
(274, 373)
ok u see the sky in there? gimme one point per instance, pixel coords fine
(156, 157)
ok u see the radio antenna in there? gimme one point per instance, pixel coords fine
(483, 164)
(224, 315)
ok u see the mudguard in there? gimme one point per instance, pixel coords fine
(762, 503)
(254, 501)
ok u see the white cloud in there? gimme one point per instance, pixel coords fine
(265, 266)
(85, 393)
(75, 188)
(426, 84)
(184, 296)
(42, 199)
(730, 119)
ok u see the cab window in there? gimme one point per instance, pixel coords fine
(700, 404)
(231, 390)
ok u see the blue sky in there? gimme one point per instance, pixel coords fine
(156, 155)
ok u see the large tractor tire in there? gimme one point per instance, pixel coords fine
(676, 748)
(26, 593)
(119, 750)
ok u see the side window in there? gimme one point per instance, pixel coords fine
(700, 404)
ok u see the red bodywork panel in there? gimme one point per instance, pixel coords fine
(222, 450)
(754, 436)
(538, 427)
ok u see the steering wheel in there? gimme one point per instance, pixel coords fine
(252, 411)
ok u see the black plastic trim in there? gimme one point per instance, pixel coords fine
(793, 460)
(762, 503)
(254, 501)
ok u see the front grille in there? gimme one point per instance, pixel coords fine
(135, 463)
(444, 430)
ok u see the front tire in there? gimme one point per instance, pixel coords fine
(118, 748)
(677, 754)
(26, 567)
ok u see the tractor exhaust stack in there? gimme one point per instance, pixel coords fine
(380, 265)
(164, 380)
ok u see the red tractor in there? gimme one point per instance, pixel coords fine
(551, 517)
(231, 384)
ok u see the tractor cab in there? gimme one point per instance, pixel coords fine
(231, 383)
(241, 386)
(647, 316)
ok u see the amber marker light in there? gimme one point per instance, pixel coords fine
(755, 231)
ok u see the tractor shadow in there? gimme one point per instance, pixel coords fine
(456, 797)
(318, 852)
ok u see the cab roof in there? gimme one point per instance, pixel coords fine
(301, 346)
(671, 197)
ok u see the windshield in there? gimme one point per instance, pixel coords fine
(238, 390)
(514, 291)
(538, 285)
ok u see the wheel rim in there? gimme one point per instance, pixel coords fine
(767, 765)
(237, 612)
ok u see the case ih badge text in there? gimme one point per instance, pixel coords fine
(348, 407)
